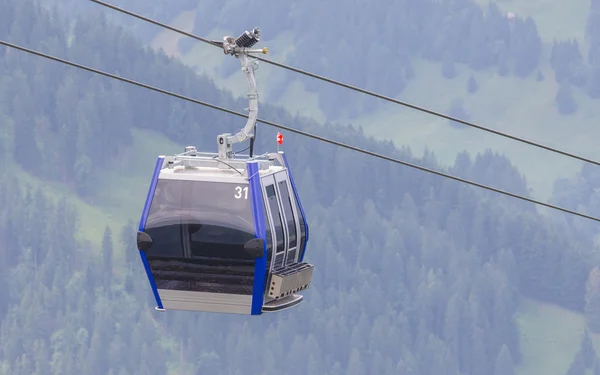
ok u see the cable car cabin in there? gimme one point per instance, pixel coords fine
(225, 237)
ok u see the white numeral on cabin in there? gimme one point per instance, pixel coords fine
(238, 192)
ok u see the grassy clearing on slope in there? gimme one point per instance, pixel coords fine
(168, 40)
(554, 18)
(549, 338)
(121, 192)
(123, 189)
(89, 216)
(522, 107)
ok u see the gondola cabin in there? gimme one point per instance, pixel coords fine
(226, 237)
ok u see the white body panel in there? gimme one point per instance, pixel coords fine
(210, 302)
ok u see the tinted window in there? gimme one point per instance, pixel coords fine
(277, 222)
(197, 218)
(217, 241)
(168, 240)
(289, 214)
(199, 230)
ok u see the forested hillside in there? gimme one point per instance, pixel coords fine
(414, 274)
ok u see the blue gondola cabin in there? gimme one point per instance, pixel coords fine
(224, 237)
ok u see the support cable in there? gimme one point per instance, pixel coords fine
(300, 132)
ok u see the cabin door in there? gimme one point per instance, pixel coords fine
(282, 218)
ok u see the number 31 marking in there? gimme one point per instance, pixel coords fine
(238, 192)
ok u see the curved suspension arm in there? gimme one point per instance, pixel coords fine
(240, 48)
(248, 67)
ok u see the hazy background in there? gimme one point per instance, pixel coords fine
(414, 274)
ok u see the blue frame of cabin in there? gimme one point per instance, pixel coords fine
(260, 265)
(142, 227)
(301, 257)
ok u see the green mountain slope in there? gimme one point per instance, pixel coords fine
(417, 273)
(549, 337)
